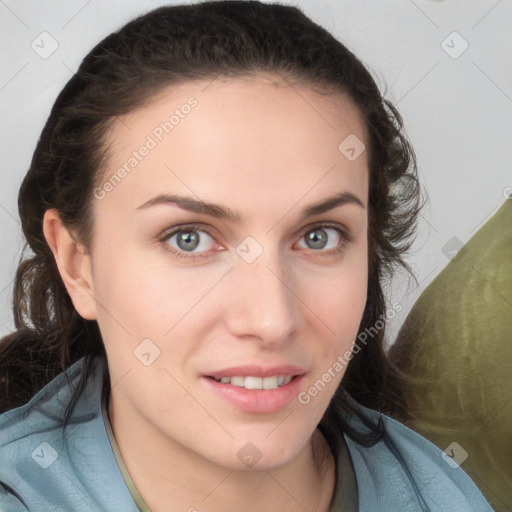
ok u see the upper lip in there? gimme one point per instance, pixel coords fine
(257, 371)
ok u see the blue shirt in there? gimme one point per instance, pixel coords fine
(46, 467)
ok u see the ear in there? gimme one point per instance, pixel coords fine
(74, 264)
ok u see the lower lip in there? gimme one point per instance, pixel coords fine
(257, 400)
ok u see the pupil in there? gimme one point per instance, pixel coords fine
(318, 238)
(188, 240)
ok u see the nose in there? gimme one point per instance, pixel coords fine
(262, 304)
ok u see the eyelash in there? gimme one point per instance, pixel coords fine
(346, 238)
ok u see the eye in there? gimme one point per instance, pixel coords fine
(194, 242)
(325, 238)
(188, 239)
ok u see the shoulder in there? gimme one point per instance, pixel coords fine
(45, 409)
(404, 471)
(29, 436)
(47, 465)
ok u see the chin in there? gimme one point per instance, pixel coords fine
(259, 453)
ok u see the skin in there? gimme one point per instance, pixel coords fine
(266, 150)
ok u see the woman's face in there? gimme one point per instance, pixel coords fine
(266, 283)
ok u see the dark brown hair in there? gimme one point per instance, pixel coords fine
(167, 46)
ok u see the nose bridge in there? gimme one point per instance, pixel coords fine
(262, 303)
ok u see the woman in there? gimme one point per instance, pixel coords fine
(214, 205)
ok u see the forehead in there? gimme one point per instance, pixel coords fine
(256, 135)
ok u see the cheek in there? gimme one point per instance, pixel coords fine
(142, 296)
(339, 298)
(342, 309)
(339, 306)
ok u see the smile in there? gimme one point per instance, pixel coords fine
(254, 394)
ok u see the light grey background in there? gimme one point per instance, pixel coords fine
(457, 108)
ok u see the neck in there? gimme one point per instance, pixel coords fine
(169, 476)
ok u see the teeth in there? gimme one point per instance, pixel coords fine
(251, 382)
(270, 382)
(237, 381)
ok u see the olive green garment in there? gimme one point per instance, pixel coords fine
(456, 349)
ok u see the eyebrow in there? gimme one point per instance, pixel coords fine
(221, 212)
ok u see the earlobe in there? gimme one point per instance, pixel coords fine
(74, 264)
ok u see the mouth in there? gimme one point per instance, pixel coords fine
(255, 394)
